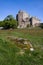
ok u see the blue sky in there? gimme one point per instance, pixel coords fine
(32, 7)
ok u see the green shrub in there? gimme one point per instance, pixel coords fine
(28, 25)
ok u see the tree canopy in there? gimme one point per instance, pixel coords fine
(9, 22)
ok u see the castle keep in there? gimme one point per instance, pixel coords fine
(25, 20)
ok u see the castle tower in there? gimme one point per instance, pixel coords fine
(23, 19)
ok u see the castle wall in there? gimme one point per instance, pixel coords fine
(24, 20)
(35, 21)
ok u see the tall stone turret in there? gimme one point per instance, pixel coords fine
(23, 19)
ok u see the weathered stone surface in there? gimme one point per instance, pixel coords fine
(21, 42)
(31, 49)
(24, 19)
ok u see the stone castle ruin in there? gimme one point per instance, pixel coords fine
(25, 20)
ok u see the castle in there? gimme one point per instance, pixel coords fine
(25, 20)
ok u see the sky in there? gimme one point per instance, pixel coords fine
(11, 7)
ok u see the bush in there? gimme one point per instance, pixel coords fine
(1, 23)
(41, 25)
(10, 24)
(28, 25)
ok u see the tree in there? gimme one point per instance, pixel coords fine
(9, 17)
(9, 22)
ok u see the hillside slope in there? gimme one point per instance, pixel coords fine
(10, 53)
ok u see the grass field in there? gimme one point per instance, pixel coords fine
(9, 52)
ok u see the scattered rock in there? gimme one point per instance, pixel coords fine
(31, 49)
(21, 42)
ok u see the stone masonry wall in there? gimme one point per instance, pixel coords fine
(24, 19)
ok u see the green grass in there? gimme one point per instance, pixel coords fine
(9, 51)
